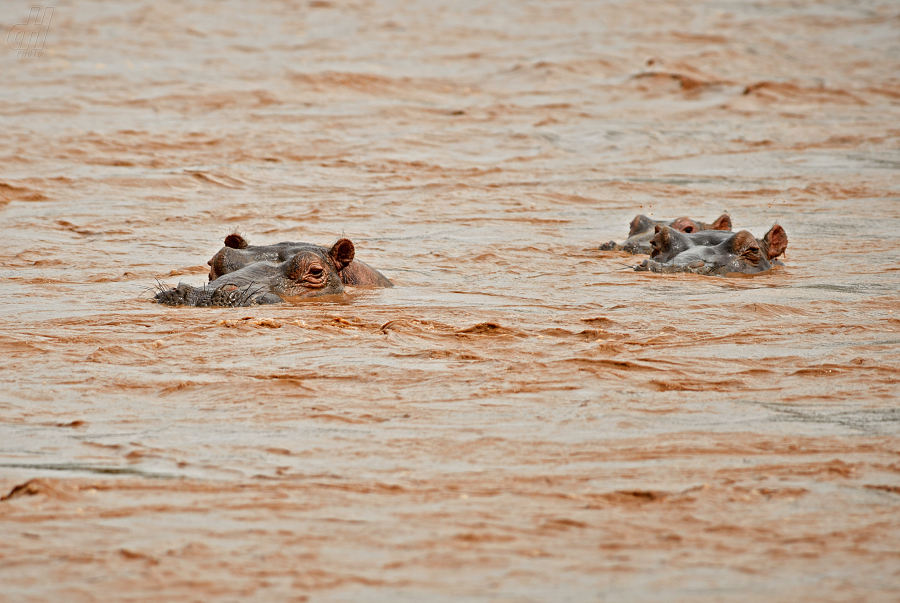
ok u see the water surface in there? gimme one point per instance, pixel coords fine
(522, 418)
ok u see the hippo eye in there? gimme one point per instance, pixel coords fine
(316, 272)
(751, 254)
(689, 229)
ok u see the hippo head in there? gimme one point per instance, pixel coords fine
(310, 271)
(315, 272)
(714, 253)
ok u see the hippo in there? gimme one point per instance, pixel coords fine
(237, 253)
(307, 271)
(714, 253)
(643, 229)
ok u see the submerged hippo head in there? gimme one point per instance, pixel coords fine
(714, 253)
(309, 273)
(237, 254)
(642, 229)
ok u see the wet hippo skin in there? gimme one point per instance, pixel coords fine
(714, 253)
(642, 230)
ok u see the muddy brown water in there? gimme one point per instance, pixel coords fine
(522, 418)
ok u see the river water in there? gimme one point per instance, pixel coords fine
(523, 417)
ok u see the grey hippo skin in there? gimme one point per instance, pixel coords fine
(245, 276)
(714, 253)
(643, 229)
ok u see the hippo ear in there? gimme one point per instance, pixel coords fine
(723, 222)
(235, 241)
(342, 253)
(776, 241)
(640, 223)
